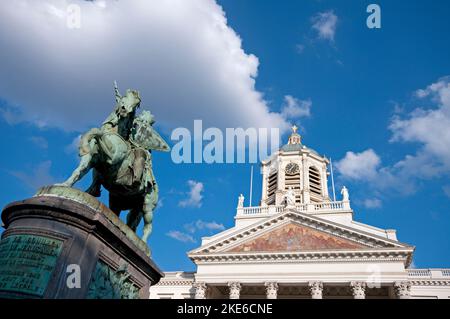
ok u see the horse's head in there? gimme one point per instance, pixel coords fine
(128, 103)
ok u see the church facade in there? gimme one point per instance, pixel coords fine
(299, 243)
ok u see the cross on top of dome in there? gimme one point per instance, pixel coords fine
(295, 138)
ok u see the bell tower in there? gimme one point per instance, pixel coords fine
(297, 167)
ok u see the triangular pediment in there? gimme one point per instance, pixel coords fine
(295, 237)
(292, 231)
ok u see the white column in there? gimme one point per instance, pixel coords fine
(200, 290)
(235, 290)
(271, 290)
(316, 289)
(402, 289)
(358, 289)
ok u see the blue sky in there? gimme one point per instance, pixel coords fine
(378, 102)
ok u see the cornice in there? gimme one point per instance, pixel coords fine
(175, 282)
(370, 255)
(430, 282)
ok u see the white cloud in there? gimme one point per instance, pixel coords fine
(294, 108)
(180, 236)
(38, 177)
(209, 225)
(428, 127)
(421, 93)
(372, 203)
(183, 57)
(193, 228)
(190, 228)
(421, 165)
(325, 23)
(202, 225)
(365, 167)
(195, 196)
(359, 166)
(39, 141)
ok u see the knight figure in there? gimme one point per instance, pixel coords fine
(119, 154)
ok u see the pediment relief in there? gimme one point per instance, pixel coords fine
(296, 237)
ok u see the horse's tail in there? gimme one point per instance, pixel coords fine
(87, 142)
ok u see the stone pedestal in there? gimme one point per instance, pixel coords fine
(64, 243)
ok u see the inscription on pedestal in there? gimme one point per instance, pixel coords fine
(27, 262)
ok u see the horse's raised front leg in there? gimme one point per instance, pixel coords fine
(84, 167)
(150, 202)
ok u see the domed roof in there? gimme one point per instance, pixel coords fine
(291, 147)
(295, 143)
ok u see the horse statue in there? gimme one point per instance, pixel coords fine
(119, 154)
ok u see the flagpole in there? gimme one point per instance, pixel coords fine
(332, 179)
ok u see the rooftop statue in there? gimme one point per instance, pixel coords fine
(344, 193)
(289, 198)
(119, 153)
